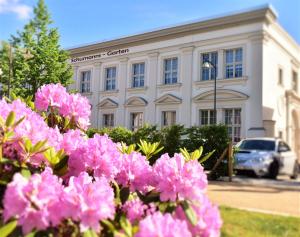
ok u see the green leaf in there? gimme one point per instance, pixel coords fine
(32, 234)
(26, 173)
(10, 119)
(206, 157)
(109, 225)
(189, 212)
(8, 228)
(124, 194)
(90, 233)
(126, 226)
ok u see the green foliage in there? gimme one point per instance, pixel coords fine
(148, 133)
(149, 149)
(196, 154)
(172, 138)
(37, 57)
(189, 212)
(8, 228)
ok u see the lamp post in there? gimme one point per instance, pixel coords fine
(1, 72)
(208, 64)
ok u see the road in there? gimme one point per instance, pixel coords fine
(276, 197)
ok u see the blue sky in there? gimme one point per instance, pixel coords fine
(85, 21)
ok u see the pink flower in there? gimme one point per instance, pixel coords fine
(134, 209)
(177, 179)
(135, 172)
(209, 219)
(72, 140)
(163, 225)
(89, 202)
(52, 95)
(31, 201)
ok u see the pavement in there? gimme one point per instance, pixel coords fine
(281, 196)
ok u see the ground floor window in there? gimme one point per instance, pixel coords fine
(136, 120)
(207, 117)
(232, 118)
(168, 118)
(108, 120)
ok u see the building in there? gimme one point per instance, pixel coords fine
(157, 77)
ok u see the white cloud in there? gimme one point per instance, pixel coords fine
(14, 6)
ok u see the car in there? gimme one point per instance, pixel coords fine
(265, 157)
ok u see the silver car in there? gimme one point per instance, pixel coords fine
(265, 157)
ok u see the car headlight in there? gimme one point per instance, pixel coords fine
(264, 158)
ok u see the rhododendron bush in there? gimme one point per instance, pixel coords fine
(55, 181)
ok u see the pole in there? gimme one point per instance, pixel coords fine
(215, 94)
(9, 71)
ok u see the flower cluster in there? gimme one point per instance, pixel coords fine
(42, 201)
(95, 185)
(71, 106)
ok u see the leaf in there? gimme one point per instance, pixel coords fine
(90, 233)
(26, 173)
(126, 226)
(206, 157)
(10, 119)
(19, 121)
(109, 225)
(8, 228)
(32, 234)
(124, 194)
(189, 212)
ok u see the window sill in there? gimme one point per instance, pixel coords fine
(108, 92)
(136, 89)
(223, 81)
(175, 85)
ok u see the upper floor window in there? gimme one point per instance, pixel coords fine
(136, 120)
(108, 120)
(138, 75)
(170, 70)
(168, 118)
(280, 76)
(295, 81)
(85, 82)
(209, 73)
(234, 63)
(207, 117)
(232, 118)
(110, 78)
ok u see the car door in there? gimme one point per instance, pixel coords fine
(287, 158)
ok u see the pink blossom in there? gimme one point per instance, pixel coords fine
(177, 179)
(31, 200)
(163, 225)
(209, 219)
(53, 95)
(135, 172)
(89, 202)
(72, 140)
(134, 209)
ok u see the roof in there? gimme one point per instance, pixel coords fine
(257, 14)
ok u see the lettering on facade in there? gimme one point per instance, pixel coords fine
(100, 55)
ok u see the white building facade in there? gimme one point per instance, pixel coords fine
(157, 77)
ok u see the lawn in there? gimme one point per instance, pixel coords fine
(247, 224)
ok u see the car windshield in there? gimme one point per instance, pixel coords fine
(262, 145)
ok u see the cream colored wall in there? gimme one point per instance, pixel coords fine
(260, 57)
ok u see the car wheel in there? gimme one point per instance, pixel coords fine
(295, 171)
(273, 169)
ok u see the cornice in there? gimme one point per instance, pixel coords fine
(265, 14)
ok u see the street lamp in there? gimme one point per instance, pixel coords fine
(208, 64)
(1, 72)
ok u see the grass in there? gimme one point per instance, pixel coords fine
(247, 224)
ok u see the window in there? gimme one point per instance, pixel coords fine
(283, 147)
(280, 76)
(207, 117)
(295, 81)
(234, 63)
(85, 82)
(137, 120)
(108, 120)
(168, 118)
(209, 73)
(110, 78)
(138, 75)
(255, 144)
(232, 118)
(170, 70)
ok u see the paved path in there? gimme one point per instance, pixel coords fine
(277, 197)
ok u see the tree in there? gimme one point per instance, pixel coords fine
(38, 58)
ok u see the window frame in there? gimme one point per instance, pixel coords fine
(233, 126)
(111, 120)
(234, 63)
(295, 81)
(140, 120)
(171, 71)
(108, 79)
(210, 70)
(140, 76)
(209, 117)
(86, 83)
(164, 118)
